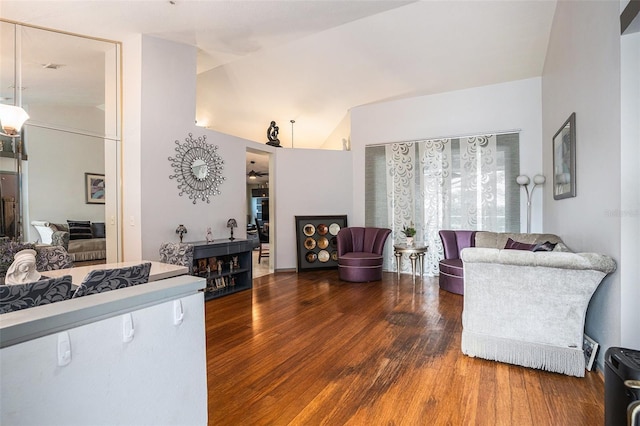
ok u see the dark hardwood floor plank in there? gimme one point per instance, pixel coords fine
(307, 349)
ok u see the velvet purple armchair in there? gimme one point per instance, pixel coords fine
(360, 253)
(451, 271)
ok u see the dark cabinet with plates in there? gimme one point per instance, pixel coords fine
(227, 266)
(317, 242)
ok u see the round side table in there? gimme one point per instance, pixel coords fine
(414, 252)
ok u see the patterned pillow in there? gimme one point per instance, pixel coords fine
(79, 229)
(98, 230)
(546, 246)
(515, 245)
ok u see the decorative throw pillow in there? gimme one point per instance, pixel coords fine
(515, 245)
(561, 247)
(8, 251)
(546, 246)
(79, 229)
(98, 230)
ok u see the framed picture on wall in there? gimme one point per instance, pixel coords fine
(317, 241)
(564, 160)
(94, 188)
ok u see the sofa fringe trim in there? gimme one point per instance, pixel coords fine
(568, 360)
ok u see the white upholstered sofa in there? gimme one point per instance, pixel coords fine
(528, 308)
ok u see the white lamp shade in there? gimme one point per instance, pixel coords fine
(539, 179)
(12, 117)
(522, 180)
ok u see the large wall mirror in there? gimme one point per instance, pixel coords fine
(70, 87)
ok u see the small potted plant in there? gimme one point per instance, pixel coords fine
(409, 232)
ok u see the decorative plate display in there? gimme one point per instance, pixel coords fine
(334, 242)
(309, 230)
(323, 256)
(317, 241)
(309, 243)
(323, 242)
(323, 229)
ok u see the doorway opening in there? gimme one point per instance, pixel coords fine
(260, 226)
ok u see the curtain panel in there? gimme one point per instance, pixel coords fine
(458, 183)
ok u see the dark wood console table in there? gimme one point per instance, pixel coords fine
(227, 266)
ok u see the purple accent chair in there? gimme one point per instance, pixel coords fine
(360, 253)
(451, 271)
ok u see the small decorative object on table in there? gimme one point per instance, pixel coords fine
(220, 262)
(236, 265)
(220, 282)
(213, 262)
(231, 265)
(23, 269)
(409, 232)
(181, 230)
(231, 223)
(209, 236)
(202, 266)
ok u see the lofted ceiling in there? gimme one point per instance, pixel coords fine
(312, 61)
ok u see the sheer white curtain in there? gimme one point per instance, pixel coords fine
(462, 183)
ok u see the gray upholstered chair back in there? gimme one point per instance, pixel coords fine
(101, 280)
(42, 292)
(49, 258)
(180, 254)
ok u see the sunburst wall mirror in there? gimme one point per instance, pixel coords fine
(197, 168)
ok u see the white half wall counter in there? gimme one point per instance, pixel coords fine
(131, 356)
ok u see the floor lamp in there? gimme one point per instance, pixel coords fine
(523, 181)
(12, 118)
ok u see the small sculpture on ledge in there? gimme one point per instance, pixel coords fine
(209, 236)
(272, 135)
(23, 269)
(181, 230)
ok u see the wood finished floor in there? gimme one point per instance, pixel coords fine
(308, 349)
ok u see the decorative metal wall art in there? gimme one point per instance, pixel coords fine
(198, 168)
(317, 241)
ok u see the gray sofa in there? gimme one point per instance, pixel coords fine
(528, 308)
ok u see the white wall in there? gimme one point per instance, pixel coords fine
(109, 381)
(500, 107)
(308, 182)
(55, 177)
(168, 91)
(630, 209)
(341, 133)
(131, 148)
(582, 75)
